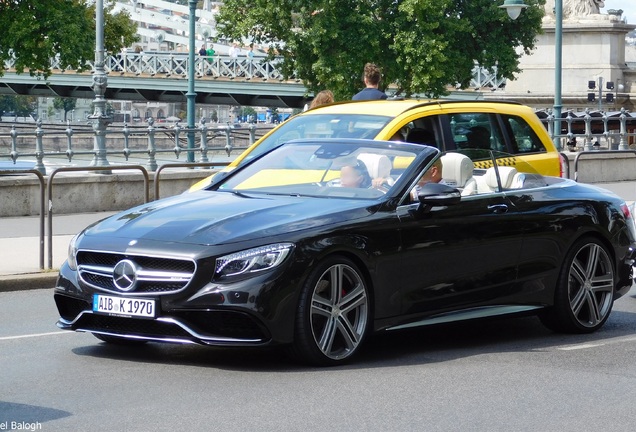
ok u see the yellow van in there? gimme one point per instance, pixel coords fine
(505, 127)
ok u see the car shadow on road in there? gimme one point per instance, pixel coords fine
(419, 346)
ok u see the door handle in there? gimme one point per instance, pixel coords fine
(498, 208)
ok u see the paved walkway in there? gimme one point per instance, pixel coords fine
(19, 243)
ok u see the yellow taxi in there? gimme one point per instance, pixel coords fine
(506, 127)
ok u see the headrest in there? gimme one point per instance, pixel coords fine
(457, 169)
(506, 174)
(377, 165)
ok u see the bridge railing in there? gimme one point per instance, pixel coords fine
(47, 142)
(177, 65)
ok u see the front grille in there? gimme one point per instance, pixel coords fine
(154, 275)
(223, 323)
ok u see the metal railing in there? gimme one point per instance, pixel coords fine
(42, 182)
(176, 65)
(592, 130)
(126, 142)
(49, 191)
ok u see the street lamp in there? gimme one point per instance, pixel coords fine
(514, 8)
(191, 94)
(558, 70)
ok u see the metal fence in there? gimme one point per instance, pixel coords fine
(585, 131)
(177, 65)
(46, 142)
(591, 130)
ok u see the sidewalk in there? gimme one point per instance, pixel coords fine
(19, 243)
(20, 248)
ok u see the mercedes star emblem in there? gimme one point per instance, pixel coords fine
(125, 275)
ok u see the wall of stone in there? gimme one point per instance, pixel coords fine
(90, 192)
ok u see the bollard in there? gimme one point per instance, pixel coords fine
(228, 139)
(252, 130)
(39, 148)
(204, 142)
(588, 130)
(126, 133)
(14, 144)
(623, 131)
(177, 131)
(152, 149)
(69, 141)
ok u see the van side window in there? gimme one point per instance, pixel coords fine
(477, 131)
(524, 139)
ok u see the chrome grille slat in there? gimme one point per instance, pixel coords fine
(155, 275)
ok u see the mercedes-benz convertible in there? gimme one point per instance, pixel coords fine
(317, 244)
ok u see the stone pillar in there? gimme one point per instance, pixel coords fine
(593, 47)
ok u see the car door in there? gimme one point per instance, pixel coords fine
(459, 255)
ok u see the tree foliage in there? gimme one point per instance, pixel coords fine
(35, 31)
(66, 104)
(422, 46)
(20, 106)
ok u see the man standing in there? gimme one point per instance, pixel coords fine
(371, 79)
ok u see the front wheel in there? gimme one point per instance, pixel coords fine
(585, 290)
(333, 313)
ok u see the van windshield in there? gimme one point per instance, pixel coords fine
(322, 126)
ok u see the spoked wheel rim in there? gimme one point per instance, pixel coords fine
(339, 311)
(591, 285)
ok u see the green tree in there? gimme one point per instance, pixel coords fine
(21, 106)
(34, 31)
(66, 104)
(422, 46)
(248, 113)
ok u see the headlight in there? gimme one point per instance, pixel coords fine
(72, 253)
(252, 260)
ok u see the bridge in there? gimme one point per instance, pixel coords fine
(162, 77)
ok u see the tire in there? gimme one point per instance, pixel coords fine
(116, 340)
(332, 318)
(585, 290)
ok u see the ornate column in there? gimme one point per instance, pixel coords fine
(100, 119)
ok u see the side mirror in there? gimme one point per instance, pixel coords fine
(435, 194)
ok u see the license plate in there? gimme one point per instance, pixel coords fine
(125, 307)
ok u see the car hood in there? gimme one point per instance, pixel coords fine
(212, 218)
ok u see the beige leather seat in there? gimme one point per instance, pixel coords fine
(488, 182)
(457, 171)
(379, 166)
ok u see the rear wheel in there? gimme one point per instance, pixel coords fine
(116, 340)
(333, 313)
(585, 290)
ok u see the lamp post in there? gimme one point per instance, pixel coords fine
(191, 94)
(558, 70)
(100, 117)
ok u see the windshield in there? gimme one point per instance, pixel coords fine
(322, 126)
(360, 169)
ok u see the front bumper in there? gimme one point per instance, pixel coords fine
(252, 312)
(208, 327)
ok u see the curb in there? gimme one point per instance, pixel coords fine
(28, 281)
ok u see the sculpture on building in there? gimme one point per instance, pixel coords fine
(576, 10)
(581, 8)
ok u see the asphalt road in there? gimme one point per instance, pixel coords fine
(503, 375)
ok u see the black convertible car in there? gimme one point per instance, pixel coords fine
(318, 243)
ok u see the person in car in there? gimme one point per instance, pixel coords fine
(355, 175)
(432, 175)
